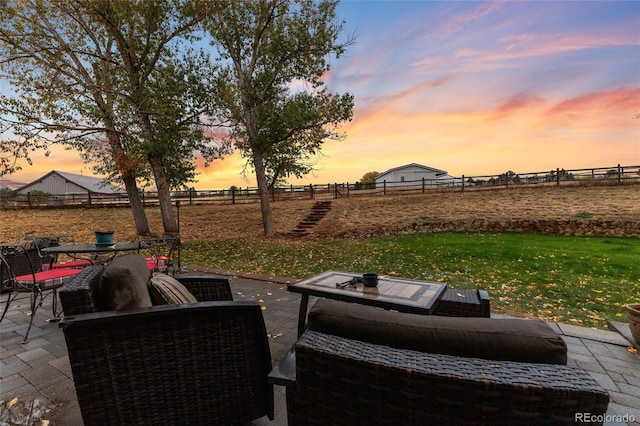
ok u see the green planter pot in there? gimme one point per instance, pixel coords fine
(104, 237)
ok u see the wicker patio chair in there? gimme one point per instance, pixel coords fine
(200, 363)
(341, 381)
(81, 294)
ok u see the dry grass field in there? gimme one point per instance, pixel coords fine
(349, 217)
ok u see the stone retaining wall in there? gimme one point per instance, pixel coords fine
(581, 227)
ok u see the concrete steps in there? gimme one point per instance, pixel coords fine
(318, 211)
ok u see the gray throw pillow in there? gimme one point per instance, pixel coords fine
(164, 290)
(123, 285)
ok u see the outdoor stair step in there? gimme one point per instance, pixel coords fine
(318, 212)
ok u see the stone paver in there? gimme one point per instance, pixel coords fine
(40, 375)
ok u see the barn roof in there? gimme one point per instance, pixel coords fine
(88, 183)
(430, 169)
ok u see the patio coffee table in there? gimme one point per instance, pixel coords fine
(412, 296)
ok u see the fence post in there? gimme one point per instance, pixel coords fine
(347, 189)
(311, 190)
(558, 176)
(89, 195)
(423, 185)
(384, 187)
(462, 183)
(233, 195)
(619, 174)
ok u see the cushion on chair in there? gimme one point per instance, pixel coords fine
(164, 290)
(496, 339)
(158, 263)
(123, 285)
(48, 280)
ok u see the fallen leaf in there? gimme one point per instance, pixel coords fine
(632, 350)
(13, 402)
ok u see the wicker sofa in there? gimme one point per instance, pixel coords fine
(368, 366)
(197, 363)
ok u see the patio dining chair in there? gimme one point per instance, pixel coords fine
(19, 266)
(72, 261)
(20, 276)
(160, 252)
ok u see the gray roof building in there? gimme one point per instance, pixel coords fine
(415, 174)
(63, 183)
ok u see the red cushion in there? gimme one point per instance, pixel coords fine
(49, 279)
(158, 263)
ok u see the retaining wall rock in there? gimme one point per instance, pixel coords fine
(578, 227)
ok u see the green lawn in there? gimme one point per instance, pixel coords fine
(577, 280)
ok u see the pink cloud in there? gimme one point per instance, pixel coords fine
(517, 103)
(616, 101)
(529, 45)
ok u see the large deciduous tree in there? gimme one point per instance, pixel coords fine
(110, 79)
(62, 74)
(166, 84)
(273, 55)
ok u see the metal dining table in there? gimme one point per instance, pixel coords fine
(92, 249)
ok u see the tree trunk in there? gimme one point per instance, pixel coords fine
(263, 191)
(139, 215)
(160, 178)
(129, 178)
(164, 195)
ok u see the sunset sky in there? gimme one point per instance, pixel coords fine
(472, 88)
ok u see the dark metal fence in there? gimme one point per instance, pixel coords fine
(592, 176)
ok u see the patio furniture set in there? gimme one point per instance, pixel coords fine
(151, 348)
(39, 266)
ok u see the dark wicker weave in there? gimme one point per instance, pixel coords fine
(80, 295)
(203, 363)
(464, 303)
(348, 382)
(199, 364)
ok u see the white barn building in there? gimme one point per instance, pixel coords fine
(413, 174)
(69, 184)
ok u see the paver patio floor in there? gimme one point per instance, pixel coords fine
(39, 374)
